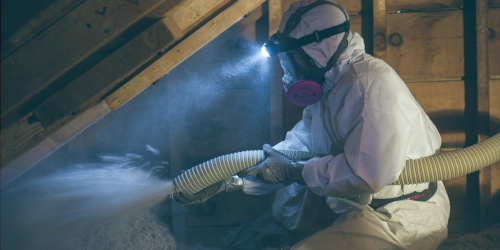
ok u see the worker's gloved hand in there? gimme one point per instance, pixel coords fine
(277, 168)
(230, 184)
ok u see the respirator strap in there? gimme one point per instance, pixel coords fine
(295, 18)
(316, 36)
(342, 46)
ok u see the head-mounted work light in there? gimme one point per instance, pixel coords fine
(264, 51)
(272, 48)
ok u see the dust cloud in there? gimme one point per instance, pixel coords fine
(45, 212)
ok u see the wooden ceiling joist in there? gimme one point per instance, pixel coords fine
(95, 25)
(89, 87)
(52, 142)
(180, 52)
(18, 31)
(37, 64)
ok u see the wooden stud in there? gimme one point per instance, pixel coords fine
(177, 143)
(494, 42)
(494, 107)
(442, 79)
(356, 24)
(180, 52)
(276, 93)
(379, 29)
(495, 168)
(483, 81)
(275, 12)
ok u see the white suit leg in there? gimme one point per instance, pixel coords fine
(398, 225)
(420, 225)
(354, 230)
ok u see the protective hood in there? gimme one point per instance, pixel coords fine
(319, 18)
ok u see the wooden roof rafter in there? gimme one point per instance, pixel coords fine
(135, 64)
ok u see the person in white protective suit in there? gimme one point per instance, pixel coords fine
(367, 123)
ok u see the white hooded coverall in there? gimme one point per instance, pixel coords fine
(369, 124)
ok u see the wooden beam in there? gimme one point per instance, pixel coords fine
(180, 52)
(494, 42)
(494, 129)
(73, 38)
(19, 31)
(19, 133)
(356, 22)
(188, 13)
(483, 105)
(33, 140)
(442, 79)
(379, 29)
(423, 5)
(50, 144)
(277, 95)
(88, 88)
(178, 144)
(275, 13)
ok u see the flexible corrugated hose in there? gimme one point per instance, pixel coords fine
(427, 169)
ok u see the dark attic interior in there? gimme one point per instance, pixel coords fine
(108, 105)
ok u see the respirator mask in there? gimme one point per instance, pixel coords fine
(303, 79)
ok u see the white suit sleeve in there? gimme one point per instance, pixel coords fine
(299, 138)
(375, 148)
